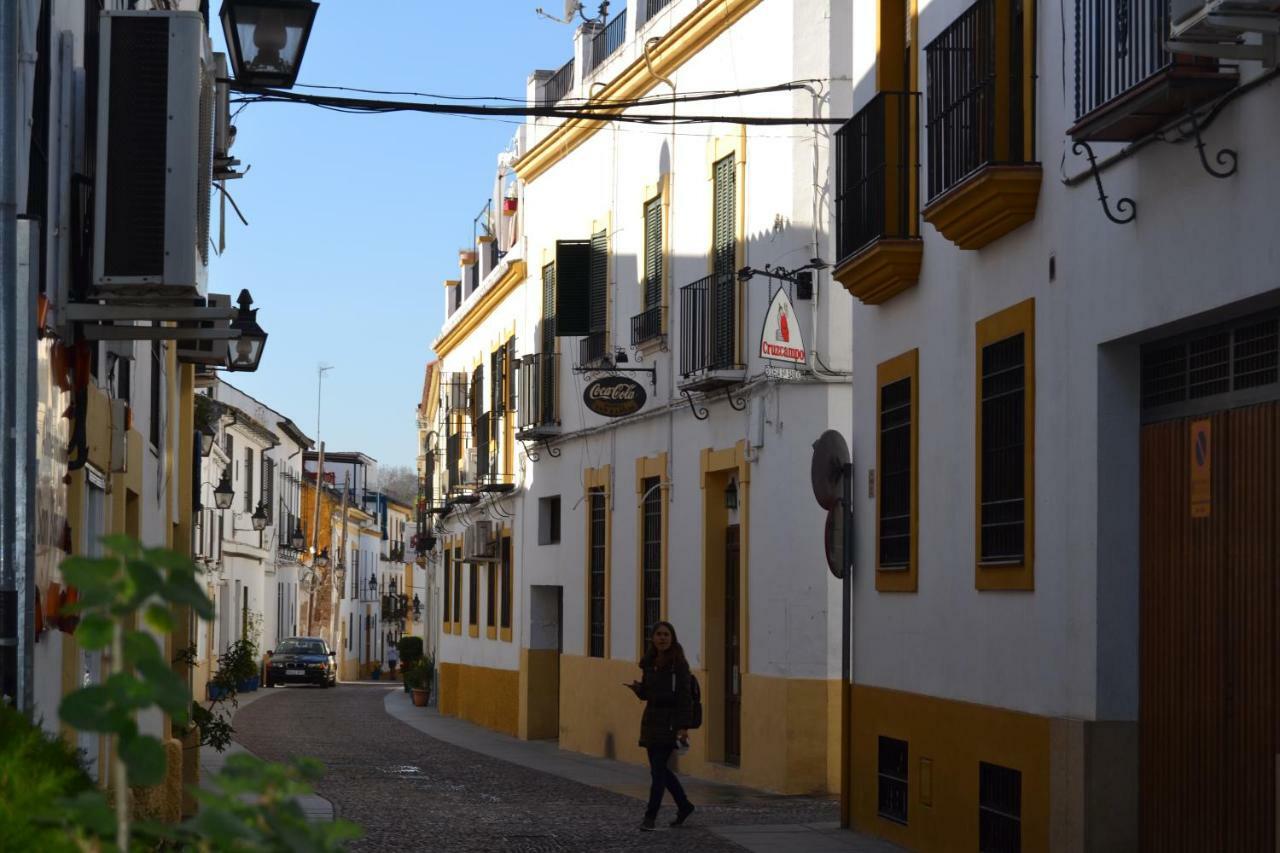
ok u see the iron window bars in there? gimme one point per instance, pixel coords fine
(651, 553)
(1241, 360)
(708, 322)
(895, 474)
(596, 507)
(559, 84)
(538, 398)
(1003, 501)
(999, 809)
(974, 94)
(653, 7)
(608, 39)
(592, 349)
(891, 777)
(647, 325)
(875, 168)
(1118, 45)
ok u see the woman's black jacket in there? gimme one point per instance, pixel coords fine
(668, 702)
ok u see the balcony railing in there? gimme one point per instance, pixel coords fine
(974, 94)
(708, 325)
(592, 349)
(647, 325)
(1127, 83)
(608, 39)
(653, 7)
(559, 84)
(875, 171)
(538, 404)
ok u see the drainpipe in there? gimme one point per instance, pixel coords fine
(14, 683)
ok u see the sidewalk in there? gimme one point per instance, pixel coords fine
(315, 807)
(632, 781)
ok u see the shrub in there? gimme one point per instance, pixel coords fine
(37, 772)
(410, 649)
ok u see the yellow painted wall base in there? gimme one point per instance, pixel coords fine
(946, 741)
(481, 695)
(786, 726)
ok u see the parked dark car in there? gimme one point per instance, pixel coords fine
(302, 660)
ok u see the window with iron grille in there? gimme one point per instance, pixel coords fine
(457, 585)
(506, 583)
(492, 602)
(1004, 438)
(596, 551)
(448, 587)
(248, 479)
(895, 474)
(974, 93)
(651, 551)
(473, 596)
(1236, 364)
(891, 800)
(157, 367)
(999, 809)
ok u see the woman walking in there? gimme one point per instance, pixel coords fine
(664, 688)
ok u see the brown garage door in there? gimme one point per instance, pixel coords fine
(1209, 634)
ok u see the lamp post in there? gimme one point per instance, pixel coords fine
(206, 443)
(223, 495)
(266, 39)
(259, 517)
(297, 540)
(245, 352)
(322, 559)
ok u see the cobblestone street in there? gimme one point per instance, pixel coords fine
(412, 792)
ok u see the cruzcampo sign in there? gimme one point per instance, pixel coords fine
(614, 396)
(780, 338)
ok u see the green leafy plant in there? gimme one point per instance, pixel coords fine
(37, 772)
(134, 586)
(410, 649)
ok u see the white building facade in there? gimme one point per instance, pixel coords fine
(616, 252)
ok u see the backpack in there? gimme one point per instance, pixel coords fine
(695, 705)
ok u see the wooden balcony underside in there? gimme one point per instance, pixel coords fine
(1154, 102)
(881, 270)
(987, 205)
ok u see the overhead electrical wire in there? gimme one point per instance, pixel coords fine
(591, 111)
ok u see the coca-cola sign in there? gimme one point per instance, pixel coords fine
(614, 396)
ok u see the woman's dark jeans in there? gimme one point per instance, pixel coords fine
(662, 779)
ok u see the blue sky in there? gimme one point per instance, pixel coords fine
(356, 220)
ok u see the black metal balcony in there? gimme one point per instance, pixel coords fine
(975, 94)
(647, 325)
(653, 7)
(708, 333)
(608, 39)
(875, 168)
(559, 84)
(539, 413)
(593, 350)
(1127, 84)
(481, 439)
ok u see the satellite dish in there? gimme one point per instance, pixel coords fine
(826, 472)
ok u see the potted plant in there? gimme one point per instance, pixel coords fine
(510, 205)
(419, 677)
(467, 257)
(376, 667)
(240, 665)
(410, 649)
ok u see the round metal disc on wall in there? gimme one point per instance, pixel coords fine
(830, 456)
(833, 541)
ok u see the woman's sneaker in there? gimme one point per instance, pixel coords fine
(683, 814)
(648, 825)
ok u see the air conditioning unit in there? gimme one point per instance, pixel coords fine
(1219, 28)
(155, 157)
(201, 351)
(480, 542)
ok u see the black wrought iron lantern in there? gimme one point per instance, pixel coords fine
(731, 495)
(259, 517)
(206, 443)
(296, 539)
(223, 495)
(393, 586)
(417, 606)
(322, 559)
(373, 584)
(266, 39)
(245, 352)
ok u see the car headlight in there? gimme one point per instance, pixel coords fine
(317, 666)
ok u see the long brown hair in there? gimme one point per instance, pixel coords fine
(674, 656)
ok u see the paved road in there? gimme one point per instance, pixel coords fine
(412, 792)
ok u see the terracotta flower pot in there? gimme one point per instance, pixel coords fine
(509, 206)
(467, 257)
(420, 697)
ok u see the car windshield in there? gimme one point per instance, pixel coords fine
(301, 647)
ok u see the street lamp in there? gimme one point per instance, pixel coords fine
(373, 585)
(417, 607)
(322, 559)
(296, 539)
(731, 495)
(266, 39)
(245, 352)
(223, 495)
(259, 517)
(206, 443)
(393, 586)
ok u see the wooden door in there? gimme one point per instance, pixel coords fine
(1209, 647)
(732, 651)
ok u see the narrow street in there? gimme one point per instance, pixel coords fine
(410, 791)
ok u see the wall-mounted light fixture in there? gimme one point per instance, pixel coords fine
(731, 495)
(266, 39)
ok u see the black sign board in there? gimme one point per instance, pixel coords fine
(614, 396)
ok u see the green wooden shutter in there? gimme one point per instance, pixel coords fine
(573, 288)
(598, 292)
(723, 304)
(549, 308)
(653, 253)
(497, 395)
(512, 365)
